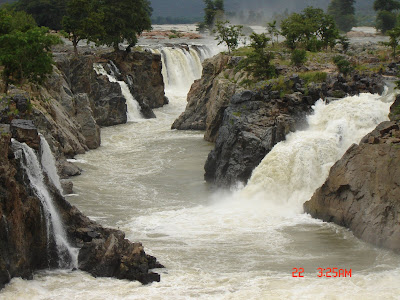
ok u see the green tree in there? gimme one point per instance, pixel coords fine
(312, 28)
(123, 20)
(345, 67)
(388, 5)
(213, 9)
(273, 31)
(228, 34)
(385, 20)
(386, 16)
(47, 13)
(298, 57)
(82, 21)
(27, 55)
(394, 39)
(258, 62)
(343, 12)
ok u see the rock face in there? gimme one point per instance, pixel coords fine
(363, 188)
(24, 244)
(254, 121)
(209, 96)
(142, 72)
(252, 124)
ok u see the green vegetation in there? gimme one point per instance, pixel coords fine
(394, 39)
(298, 57)
(106, 22)
(25, 49)
(344, 66)
(386, 16)
(273, 31)
(316, 77)
(343, 13)
(258, 61)
(213, 12)
(82, 22)
(228, 34)
(312, 29)
(47, 13)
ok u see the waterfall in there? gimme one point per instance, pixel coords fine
(182, 65)
(133, 108)
(49, 164)
(68, 255)
(295, 168)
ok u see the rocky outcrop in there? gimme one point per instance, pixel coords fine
(209, 96)
(142, 72)
(254, 121)
(26, 247)
(23, 242)
(252, 124)
(363, 187)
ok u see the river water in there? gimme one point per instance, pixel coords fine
(147, 180)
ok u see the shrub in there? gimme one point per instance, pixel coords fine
(299, 57)
(344, 66)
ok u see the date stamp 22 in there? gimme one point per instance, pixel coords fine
(324, 272)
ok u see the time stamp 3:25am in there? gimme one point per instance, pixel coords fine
(324, 272)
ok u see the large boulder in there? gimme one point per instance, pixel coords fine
(253, 123)
(209, 96)
(363, 187)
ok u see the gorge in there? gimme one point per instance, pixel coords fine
(147, 180)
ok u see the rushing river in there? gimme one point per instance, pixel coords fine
(148, 181)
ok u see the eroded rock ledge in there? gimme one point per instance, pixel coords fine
(362, 191)
(24, 243)
(246, 124)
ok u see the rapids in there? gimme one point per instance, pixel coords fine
(148, 181)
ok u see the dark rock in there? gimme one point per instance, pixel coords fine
(363, 188)
(67, 187)
(25, 131)
(68, 169)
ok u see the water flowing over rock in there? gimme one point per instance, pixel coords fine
(363, 187)
(245, 125)
(40, 230)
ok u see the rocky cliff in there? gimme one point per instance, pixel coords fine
(25, 243)
(246, 124)
(68, 110)
(363, 188)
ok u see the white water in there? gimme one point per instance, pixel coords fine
(49, 164)
(133, 108)
(147, 180)
(181, 67)
(68, 256)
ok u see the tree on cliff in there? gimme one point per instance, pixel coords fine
(258, 62)
(82, 21)
(343, 13)
(228, 34)
(312, 29)
(123, 20)
(25, 49)
(386, 18)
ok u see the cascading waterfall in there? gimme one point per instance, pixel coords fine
(49, 164)
(133, 108)
(181, 67)
(295, 168)
(68, 255)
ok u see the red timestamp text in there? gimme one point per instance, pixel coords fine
(324, 272)
(333, 272)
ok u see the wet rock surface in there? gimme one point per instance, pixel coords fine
(25, 245)
(363, 187)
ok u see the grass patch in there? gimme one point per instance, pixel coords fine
(315, 76)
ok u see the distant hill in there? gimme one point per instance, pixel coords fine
(194, 8)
